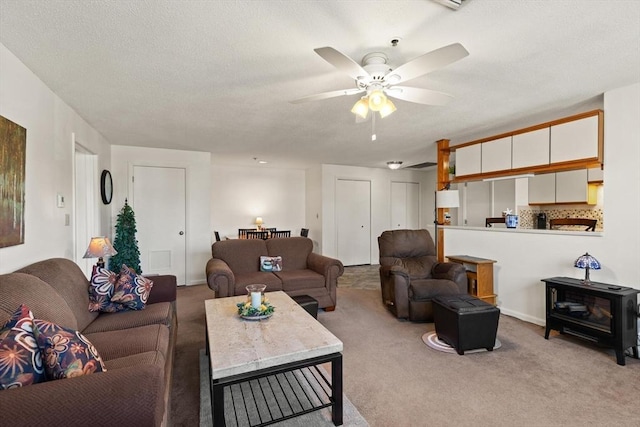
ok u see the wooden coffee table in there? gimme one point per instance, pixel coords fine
(267, 356)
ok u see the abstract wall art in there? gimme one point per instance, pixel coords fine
(13, 150)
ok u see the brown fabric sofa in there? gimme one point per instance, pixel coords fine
(236, 264)
(137, 348)
(411, 276)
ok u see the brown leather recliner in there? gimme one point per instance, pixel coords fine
(411, 276)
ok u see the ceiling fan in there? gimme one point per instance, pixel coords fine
(378, 80)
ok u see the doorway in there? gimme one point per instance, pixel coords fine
(159, 203)
(353, 211)
(85, 213)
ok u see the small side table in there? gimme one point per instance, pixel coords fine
(480, 275)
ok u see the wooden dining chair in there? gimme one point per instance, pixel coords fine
(589, 223)
(254, 234)
(304, 232)
(280, 233)
(217, 236)
(242, 232)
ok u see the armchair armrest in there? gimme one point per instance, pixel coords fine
(220, 278)
(451, 271)
(72, 401)
(394, 281)
(164, 288)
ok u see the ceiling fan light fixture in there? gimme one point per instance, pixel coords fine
(394, 164)
(387, 109)
(377, 100)
(361, 108)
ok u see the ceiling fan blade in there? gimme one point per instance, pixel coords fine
(342, 62)
(327, 95)
(419, 96)
(427, 63)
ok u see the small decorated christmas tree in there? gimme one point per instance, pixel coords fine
(125, 242)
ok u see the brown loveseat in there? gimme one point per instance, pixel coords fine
(137, 348)
(236, 264)
(411, 276)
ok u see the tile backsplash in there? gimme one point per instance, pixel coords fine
(527, 215)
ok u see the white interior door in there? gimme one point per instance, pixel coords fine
(159, 195)
(405, 205)
(353, 208)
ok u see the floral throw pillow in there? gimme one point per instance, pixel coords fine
(66, 353)
(101, 290)
(270, 263)
(21, 361)
(131, 290)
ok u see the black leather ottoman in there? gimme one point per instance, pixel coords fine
(465, 322)
(308, 303)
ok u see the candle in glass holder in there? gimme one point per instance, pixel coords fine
(256, 299)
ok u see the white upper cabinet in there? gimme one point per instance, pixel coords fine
(530, 148)
(571, 187)
(542, 189)
(575, 140)
(595, 175)
(496, 155)
(468, 160)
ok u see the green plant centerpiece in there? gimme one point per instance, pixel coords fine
(125, 242)
(257, 306)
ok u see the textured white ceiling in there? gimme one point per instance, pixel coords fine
(218, 76)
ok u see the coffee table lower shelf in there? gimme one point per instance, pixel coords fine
(272, 395)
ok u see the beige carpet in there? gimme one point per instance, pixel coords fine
(394, 379)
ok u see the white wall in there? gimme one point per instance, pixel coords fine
(50, 124)
(523, 259)
(380, 201)
(241, 193)
(313, 205)
(198, 195)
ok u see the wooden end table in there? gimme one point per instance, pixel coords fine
(480, 275)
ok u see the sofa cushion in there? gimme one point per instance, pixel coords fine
(241, 255)
(418, 267)
(131, 289)
(21, 361)
(160, 313)
(270, 263)
(270, 279)
(154, 358)
(300, 279)
(293, 250)
(101, 290)
(42, 299)
(126, 342)
(427, 289)
(66, 278)
(66, 353)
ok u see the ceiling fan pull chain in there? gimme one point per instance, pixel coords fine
(373, 126)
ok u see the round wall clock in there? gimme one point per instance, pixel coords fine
(106, 187)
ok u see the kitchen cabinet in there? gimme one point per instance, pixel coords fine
(572, 187)
(468, 160)
(595, 175)
(542, 189)
(561, 187)
(530, 148)
(575, 140)
(496, 155)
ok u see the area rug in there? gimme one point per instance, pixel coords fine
(321, 418)
(431, 339)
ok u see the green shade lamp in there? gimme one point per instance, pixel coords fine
(587, 262)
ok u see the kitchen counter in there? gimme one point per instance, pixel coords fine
(526, 231)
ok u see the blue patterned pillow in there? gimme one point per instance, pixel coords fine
(101, 290)
(66, 353)
(20, 358)
(131, 290)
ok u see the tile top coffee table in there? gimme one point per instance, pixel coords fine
(245, 351)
